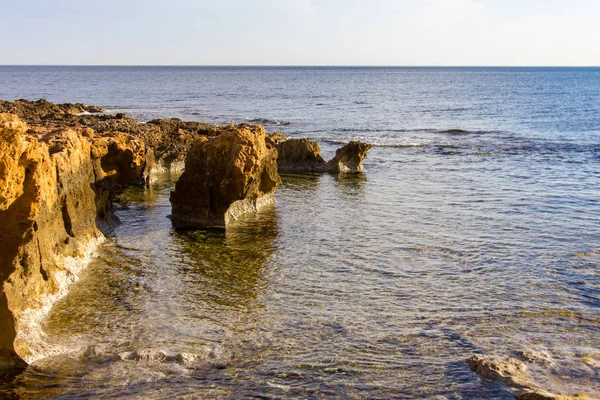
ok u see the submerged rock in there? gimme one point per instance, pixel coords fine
(510, 370)
(514, 373)
(535, 357)
(55, 185)
(225, 176)
(539, 394)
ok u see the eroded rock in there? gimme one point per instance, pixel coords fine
(514, 373)
(539, 394)
(349, 158)
(303, 155)
(52, 182)
(170, 139)
(300, 155)
(511, 371)
(535, 357)
(225, 176)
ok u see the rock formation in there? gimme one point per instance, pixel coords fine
(55, 184)
(511, 371)
(300, 155)
(349, 158)
(169, 139)
(514, 373)
(225, 176)
(60, 168)
(303, 155)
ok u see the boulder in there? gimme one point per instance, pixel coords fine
(300, 155)
(53, 189)
(225, 176)
(511, 371)
(303, 155)
(514, 373)
(539, 394)
(349, 158)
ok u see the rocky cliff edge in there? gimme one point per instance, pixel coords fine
(56, 185)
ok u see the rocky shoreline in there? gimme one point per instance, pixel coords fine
(61, 166)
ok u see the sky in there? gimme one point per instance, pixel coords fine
(301, 32)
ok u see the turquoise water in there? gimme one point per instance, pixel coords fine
(474, 230)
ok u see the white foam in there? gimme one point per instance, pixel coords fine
(29, 329)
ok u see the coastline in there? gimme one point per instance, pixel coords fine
(148, 173)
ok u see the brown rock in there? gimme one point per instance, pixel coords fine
(511, 371)
(535, 357)
(119, 161)
(275, 138)
(300, 155)
(170, 139)
(303, 155)
(350, 157)
(53, 185)
(225, 176)
(538, 394)
(94, 109)
(514, 373)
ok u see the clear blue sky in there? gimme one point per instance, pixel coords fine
(300, 32)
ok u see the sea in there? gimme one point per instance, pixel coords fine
(475, 229)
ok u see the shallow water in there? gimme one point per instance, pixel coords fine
(484, 240)
(345, 289)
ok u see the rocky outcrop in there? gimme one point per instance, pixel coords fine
(509, 370)
(349, 158)
(303, 155)
(55, 185)
(300, 155)
(225, 176)
(41, 109)
(169, 139)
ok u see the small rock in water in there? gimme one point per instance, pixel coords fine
(151, 355)
(509, 370)
(538, 394)
(535, 357)
(514, 373)
(186, 358)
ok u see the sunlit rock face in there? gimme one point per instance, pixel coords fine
(55, 186)
(225, 176)
(300, 155)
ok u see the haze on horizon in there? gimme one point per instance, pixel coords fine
(301, 32)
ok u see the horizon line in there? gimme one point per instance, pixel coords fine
(296, 66)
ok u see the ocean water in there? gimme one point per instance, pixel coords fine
(475, 229)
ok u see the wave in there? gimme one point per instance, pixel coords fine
(375, 144)
(456, 132)
(267, 122)
(452, 131)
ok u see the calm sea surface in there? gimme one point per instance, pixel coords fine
(474, 230)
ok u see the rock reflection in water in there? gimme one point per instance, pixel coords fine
(155, 306)
(229, 265)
